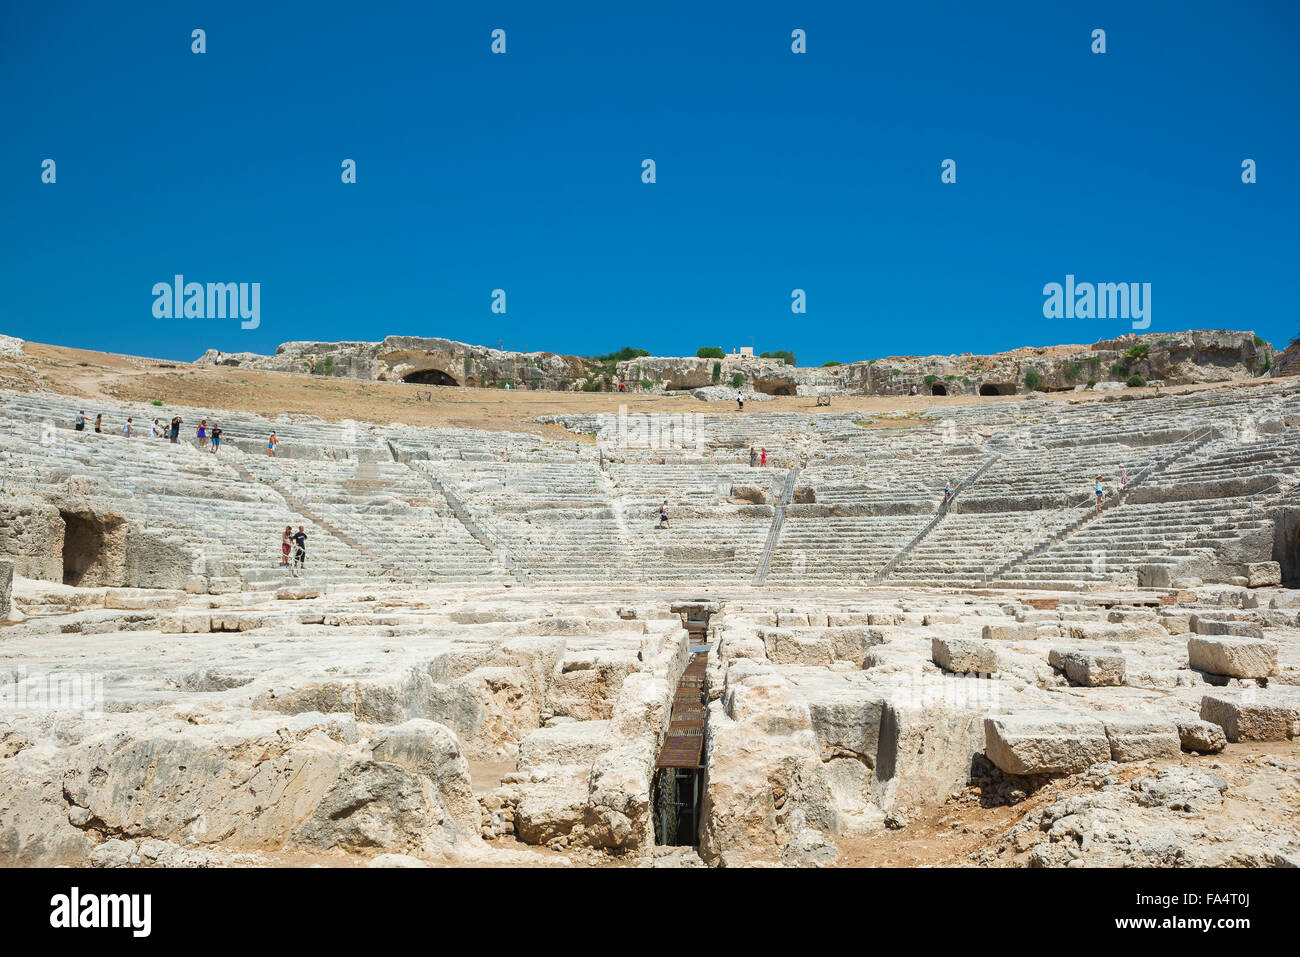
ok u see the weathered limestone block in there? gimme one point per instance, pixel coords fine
(766, 780)
(298, 592)
(1254, 715)
(573, 742)
(618, 815)
(1138, 737)
(1263, 574)
(925, 751)
(1217, 626)
(1204, 737)
(247, 784)
(1045, 742)
(748, 495)
(186, 623)
(1011, 632)
(1235, 657)
(432, 750)
(1090, 669)
(1114, 632)
(787, 647)
(852, 643)
(964, 655)
(553, 803)
(587, 684)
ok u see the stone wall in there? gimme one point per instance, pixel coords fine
(31, 536)
(1172, 358)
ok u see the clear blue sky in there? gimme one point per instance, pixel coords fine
(523, 172)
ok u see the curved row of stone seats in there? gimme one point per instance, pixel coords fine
(233, 528)
(1109, 549)
(964, 546)
(391, 515)
(420, 443)
(300, 436)
(834, 549)
(526, 485)
(1260, 461)
(721, 545)
(643, 487)
(556, 519)
(891, 484)
(1034, 478)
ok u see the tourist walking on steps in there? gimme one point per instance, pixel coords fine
(740, 402)
(1123, 478)
(80, 424)
(763, 458)
(202, 433)
(299, 550)
(947, 492)
(286, 542)
(271, 444)
(99, 423)
(663, 516)
(1100, 493)
(126, 429)
(176, 428)
(156, 431)
(216, 439)
(753, 456)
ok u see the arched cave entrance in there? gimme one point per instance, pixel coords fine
(937, 389)
(997, 388)
(775, 386)
(429, 377)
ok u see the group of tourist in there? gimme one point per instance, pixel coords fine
(293, 549)
(209, 437)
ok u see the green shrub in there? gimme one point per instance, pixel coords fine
(1138, 351)
(931, 379)
(647, 384)
(1135, 381)
(717, 372)
(1119, 370)
(709, 352)
(1033, 380)
(1091, 383)
(469, 363)
(591, 385)
(737, 380)
(1071, 371)
(156, 402)
(623, 355)
(831, 364)
(785, 355)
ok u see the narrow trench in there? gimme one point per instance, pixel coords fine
(680, 771)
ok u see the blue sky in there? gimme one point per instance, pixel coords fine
(775, 171)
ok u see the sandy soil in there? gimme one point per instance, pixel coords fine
(111, 376)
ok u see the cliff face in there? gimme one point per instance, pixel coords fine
(418, 360)
(1173, 358)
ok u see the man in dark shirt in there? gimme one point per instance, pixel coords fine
(300, 548)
